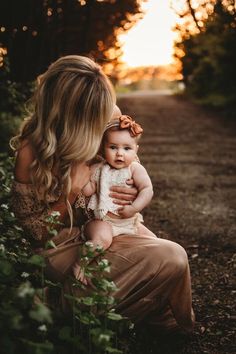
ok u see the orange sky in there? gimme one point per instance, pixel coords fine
(150, 41)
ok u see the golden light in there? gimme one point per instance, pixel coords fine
(3, 52)
(49, 11)
(150, 41)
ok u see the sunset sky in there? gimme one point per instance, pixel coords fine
(150, 41)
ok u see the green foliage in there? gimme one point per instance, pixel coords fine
(13, 96)
(209, 62)
(31, 320)
(9, 126)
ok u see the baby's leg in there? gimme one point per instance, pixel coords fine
(99, 233)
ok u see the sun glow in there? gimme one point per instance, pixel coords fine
(150, 41)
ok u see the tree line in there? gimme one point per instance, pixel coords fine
(35, 33)
(206, 50)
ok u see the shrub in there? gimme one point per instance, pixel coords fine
(31, 324)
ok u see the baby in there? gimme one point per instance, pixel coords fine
(119, 149)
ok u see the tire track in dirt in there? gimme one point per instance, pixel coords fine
(190, 154)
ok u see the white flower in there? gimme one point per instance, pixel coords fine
(5, 206)
(43, 328)
(24, 275)
(55, 213)
(89, 244)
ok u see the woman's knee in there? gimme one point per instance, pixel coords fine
(178, 259)
(169, 256)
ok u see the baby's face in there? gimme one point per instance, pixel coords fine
(119, 148)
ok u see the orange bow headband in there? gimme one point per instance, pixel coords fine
(126, 122)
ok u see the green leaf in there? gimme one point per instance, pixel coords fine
(65, 333)
(50, 244)
(7, 271)
(104, 338)
(114, 316)
(25, 289)
(41, 313)
(89, 301)
(52, 284)
(52, 232)
(86, 318)
(37, 260)
(38, 348)
(113, 350)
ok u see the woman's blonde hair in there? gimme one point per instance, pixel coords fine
(72, 104)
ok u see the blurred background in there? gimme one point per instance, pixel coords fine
(173, 65)
(141, 44)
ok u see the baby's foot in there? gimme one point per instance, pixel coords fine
(78, 272)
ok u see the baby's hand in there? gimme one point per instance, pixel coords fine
(127, 211)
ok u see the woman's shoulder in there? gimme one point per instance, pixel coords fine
(24, 158)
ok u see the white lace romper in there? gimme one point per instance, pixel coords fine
(101, 203)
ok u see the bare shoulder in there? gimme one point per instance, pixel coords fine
(96, 166)
(24, 159)
(140, 175)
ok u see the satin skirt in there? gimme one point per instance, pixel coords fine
(152, 276)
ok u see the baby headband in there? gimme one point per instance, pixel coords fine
(126, 122)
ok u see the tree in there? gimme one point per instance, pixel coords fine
(36, 33)
(208, 52)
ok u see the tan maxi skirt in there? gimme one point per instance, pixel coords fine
(152, 276)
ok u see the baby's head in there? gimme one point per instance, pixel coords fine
(120, 141)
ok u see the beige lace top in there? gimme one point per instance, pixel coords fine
(105, 177)
(31, 212)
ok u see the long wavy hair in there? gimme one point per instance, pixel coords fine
(71, 106)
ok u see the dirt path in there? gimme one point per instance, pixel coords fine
(190, 154)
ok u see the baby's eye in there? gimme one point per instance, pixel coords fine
(112, 147)
(127, 148)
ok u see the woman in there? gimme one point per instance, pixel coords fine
(73, 102)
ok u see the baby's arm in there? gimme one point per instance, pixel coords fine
(145, 191)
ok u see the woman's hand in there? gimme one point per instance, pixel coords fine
(80, 175)
(124, 195)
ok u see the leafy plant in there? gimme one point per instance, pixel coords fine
(13, 96)
(208, 55)
(30, 319)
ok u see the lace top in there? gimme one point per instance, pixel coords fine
(106, 177)
(31, 212)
